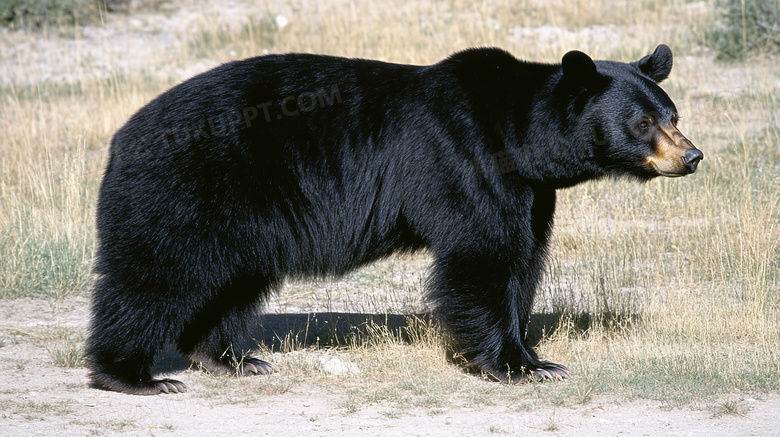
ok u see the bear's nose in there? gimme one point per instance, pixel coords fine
(691, 159)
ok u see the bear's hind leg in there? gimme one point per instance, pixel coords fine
(215, 336)
(127, 332)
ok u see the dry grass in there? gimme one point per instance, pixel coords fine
(678, 280)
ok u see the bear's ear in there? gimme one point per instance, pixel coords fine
(658, 65)
(579, 68)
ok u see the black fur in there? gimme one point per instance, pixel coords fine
(208, 204)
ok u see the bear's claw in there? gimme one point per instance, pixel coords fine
(548, 370)
(169, 386)
(255, 366)
(145, 388)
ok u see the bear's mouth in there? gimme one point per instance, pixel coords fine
(670, 174)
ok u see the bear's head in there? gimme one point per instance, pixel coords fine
(630, 123)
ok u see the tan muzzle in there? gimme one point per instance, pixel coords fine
(674, 154)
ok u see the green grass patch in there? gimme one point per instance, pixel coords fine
(745, 28)
(38, 14)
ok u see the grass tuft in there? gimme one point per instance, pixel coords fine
(730, 408)
(70, 355)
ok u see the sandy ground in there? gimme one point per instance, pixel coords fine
(304, 411)
(37, 398)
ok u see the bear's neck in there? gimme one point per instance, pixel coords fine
(548, 142)
(502, 107)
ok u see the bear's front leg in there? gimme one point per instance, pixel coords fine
(485, 302)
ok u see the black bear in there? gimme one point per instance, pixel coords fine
(297, 165)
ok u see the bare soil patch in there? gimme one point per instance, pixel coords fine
(39, 398)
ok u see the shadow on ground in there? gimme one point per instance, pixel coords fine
(284, 332)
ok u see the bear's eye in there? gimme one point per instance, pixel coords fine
(645, 122)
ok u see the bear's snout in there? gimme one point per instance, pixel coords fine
(674, 155)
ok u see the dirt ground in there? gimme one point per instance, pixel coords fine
(38, 398)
